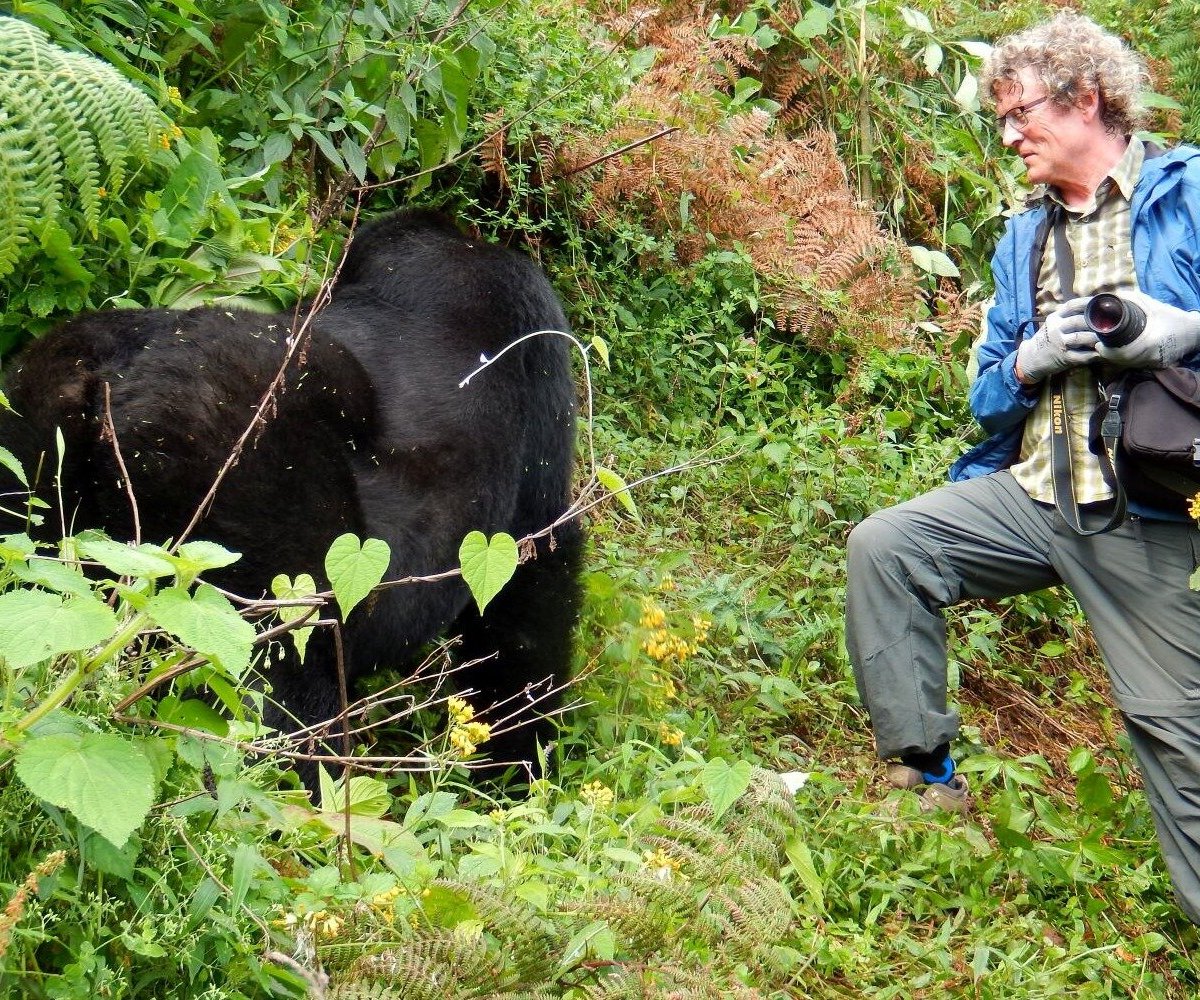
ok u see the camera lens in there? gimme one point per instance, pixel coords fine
(1105, 313)
(1114, 320)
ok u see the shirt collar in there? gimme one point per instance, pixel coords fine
(1123, 177)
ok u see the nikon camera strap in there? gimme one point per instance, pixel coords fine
(1062, 463)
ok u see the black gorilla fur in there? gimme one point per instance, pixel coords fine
(371, 434)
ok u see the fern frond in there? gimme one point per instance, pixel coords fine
(78, 121)
(432, 965)
(365, 991)
(20, 202)
(531, 945)
(748, 918)
(1177, 43)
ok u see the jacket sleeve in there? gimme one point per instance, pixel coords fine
(998, 400)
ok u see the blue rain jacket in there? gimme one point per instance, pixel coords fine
(1166, 256)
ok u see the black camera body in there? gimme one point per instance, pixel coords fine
(1114, 320)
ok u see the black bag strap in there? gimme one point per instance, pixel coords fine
(1062, 462)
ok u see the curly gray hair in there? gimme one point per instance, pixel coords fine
(1072, 56)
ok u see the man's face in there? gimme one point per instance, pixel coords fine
(1054, 141)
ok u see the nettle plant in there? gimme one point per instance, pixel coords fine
(82, 624)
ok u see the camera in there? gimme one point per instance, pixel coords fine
(1116, 321)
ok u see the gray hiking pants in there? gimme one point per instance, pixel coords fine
(985, 538)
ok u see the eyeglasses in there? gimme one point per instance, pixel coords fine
(1018, 117)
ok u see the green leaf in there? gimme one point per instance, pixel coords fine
(146, 561)
(368, 796)
(191, 713)
(35, 625)
(815, 23)
(286, 589)
(724, 783)
(487, 565)
(53, 575)
(246, 863)
(103, 780)
(196, 557)
(618, 488)
(1094, 793)
(353, 155)
(354, 569)
(10, 461)
(277, 147)
(601, 348)
(801, 858)
(192, 184)
(207, 623)
(16, 548)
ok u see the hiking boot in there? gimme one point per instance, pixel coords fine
(952, 796)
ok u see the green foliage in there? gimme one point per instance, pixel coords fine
(68, 123)
(1176, 43)
(103, 780)
(355, 568)
(487, 564)
(660, 857)
(895, 83)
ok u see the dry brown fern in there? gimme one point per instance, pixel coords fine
(739, 181)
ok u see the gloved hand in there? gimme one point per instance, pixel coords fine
(1171, 334)
(1063, 341)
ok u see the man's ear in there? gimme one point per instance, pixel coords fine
(1088, 102)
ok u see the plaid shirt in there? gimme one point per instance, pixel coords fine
(1099, 237)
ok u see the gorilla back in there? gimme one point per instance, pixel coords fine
(372, 434)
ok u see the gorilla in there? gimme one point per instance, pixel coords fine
(370, 433)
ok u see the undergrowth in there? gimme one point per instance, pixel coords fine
(713, 820)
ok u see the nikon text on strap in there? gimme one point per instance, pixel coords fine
(1062, 463)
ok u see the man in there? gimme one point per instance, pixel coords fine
(1113, 215)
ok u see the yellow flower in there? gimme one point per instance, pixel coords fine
(461, 742)
(652, 615)
(478, 732)
(596, 794)
(102, 192)
(331, 925)
(669, 735)
(1194, 507)
(173, 95)
(667, 583)
(460, 709)
(661, 863)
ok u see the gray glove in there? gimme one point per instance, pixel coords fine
(1171, 334)
(1063, 341)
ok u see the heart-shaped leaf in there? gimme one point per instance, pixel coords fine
(355, 569)
(487, 565)
(724, 783)
(286, 589)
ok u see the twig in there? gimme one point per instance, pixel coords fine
(347, 768)
(110, 432)
(617, 152)
(299, 337)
